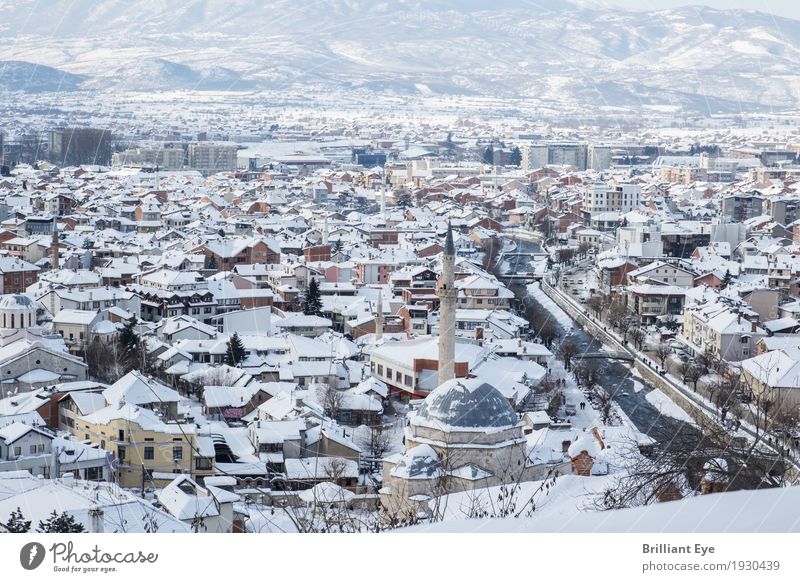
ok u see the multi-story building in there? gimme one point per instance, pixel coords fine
(604, 198)
(166, 156)
(741, 207)
(210, 158)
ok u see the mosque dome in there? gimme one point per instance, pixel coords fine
(466, 403)
(17, 311)
(420, 462)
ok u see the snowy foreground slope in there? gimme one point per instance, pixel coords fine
(765, 511)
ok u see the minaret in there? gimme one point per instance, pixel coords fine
(379, 318)
(54, 248)
(447, 311)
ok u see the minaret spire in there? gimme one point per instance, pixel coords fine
(379, 318)
(447, 310)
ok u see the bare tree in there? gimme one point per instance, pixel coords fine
(662, 351)
(567, 350)
(637, 336)
(596, 304)
(676, 470)
(331, 400)
(690, 372)
(378, 442)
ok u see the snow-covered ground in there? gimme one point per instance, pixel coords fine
(666, 406)
(535, 291)
(561, 510)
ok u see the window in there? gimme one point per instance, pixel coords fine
(202, 464)
(121, 435)
(149, 453)
(33, 449)
(177, 453)
(17, 451)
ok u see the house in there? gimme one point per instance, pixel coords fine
(206, 509)
(145, 444)
(100, 507)
(225, 254)
(16, 275)
(775, 376)
(648, 301)
(75, 327)
(410, 367)
(38, 451)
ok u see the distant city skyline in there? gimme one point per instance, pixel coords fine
(786, 8)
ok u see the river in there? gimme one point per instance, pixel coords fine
(618, 378)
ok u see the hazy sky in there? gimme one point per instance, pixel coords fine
(788, 8)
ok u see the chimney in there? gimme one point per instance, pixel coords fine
(753, 326)
(96, 520)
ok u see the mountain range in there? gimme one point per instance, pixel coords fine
(576, 54)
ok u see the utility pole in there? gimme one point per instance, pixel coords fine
(143, 475)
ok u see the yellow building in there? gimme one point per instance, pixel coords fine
(145, 447)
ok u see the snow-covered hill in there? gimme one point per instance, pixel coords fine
(566, 510)
(575, 54)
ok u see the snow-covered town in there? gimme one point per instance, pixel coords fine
(446, 331)
(293, 312)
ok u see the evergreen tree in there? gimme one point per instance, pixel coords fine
(212, 263)
(312, 302)
(488, 155)
(404, 201)
(63, 523)
(337, 246)
(515, 159)
(726, 279)
(235, 353)
(17, 522)
(128, 338)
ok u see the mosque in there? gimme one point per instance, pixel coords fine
(465, 435)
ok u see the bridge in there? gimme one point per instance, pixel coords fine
(607, 356)
(531, 276)
(515, 254)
